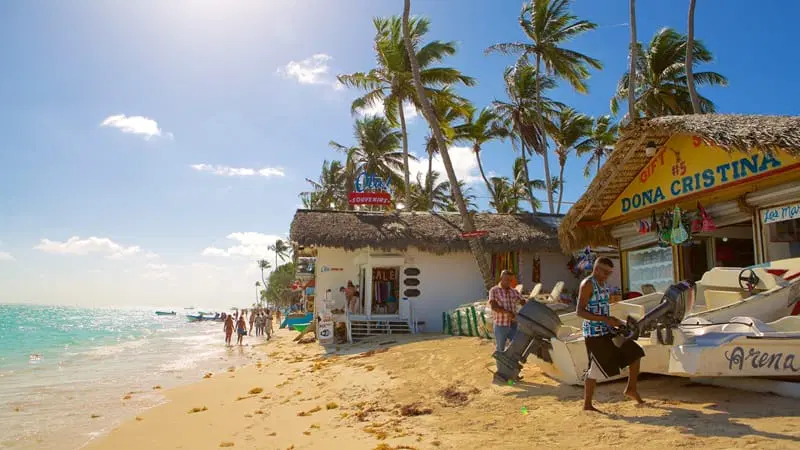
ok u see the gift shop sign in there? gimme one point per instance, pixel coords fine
(685, 166)
(370, 190)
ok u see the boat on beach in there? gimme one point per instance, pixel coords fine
(165, 313)
(204, 317)
(740, 323)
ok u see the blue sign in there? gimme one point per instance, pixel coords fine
(371, 182)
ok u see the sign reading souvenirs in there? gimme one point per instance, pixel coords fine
(370, 190)
(685, 165)
(781, 213)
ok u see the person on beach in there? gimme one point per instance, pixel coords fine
(605, 358)
(268, 323)
(252, 320)
(241, 329)
(228, 328)
(503, 301)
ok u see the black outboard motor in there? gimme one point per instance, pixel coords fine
(661, 319)
(536, 324)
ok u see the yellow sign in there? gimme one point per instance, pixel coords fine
(685, 166)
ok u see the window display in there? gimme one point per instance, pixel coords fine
(652, 266)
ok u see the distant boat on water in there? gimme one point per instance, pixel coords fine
(189, 307)
(202, 317)
(165, 313)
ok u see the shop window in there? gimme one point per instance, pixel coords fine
(649, 266)
(385, 290)
(783, 239)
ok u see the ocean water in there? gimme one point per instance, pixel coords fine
(59, 366)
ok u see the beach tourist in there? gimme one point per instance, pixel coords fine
(241, 329)
(228, 328)
(268, 323)
(351, 297)
(605, 358)
(503, 301)
(252, 320)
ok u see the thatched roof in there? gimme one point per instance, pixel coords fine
(730, 132)
(432, 232)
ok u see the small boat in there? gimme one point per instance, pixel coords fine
(165, 313)
(204, 317)
(295, 319)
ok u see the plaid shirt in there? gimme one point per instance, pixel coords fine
(508, 299)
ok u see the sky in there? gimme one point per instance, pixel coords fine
(152, 150)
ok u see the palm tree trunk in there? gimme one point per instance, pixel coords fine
(477, 149)
(476, 245)
(632, 69)
(598, 165)
(263, 280)
(528, 186)
(689, 50)
(428, 181)
(561, 188)
(541, 137)
(406, 173)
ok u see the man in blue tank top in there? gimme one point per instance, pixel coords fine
(605, 358)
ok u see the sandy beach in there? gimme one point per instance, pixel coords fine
(435, 392)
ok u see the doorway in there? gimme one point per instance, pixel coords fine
(385, 290)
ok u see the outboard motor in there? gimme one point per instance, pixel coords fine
(661, 319)
(536, 324)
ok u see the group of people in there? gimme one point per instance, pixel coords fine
(606, 359)
(260, 319)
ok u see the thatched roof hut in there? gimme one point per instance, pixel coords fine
(580, 227)
(431, 232)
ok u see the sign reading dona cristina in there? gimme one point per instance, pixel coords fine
(370, 189)
(685, 166)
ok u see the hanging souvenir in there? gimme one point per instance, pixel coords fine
(664, 231)
(679, 234)
(707, 223)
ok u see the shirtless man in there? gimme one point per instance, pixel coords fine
(241, 329)
(228, 327)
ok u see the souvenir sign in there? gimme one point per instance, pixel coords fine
(370, 190)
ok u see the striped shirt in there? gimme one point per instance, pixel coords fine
(598, 304)
(508, 299)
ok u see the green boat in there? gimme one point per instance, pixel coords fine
(301, 327)
(165, 313)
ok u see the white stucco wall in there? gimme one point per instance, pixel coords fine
(446, 281)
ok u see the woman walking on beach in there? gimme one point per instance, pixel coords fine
(228, 328)
(241, 329)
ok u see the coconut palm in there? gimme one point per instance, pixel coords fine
(390, 83)
(280, 248)
(416, 62)
(430, 194)
(662, 87)
(689, 50)
(263, 264)
(549, 24)
(632, 58)
(505, 196)
(468, 195)
(599, 144)
(522, 87)
(328, 190)
(448, 108)
(377, 148)
(478, 130)
(568, 129)
(258, 285)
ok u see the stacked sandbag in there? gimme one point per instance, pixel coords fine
(471, 319)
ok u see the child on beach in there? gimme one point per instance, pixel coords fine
(228, 328)
(241, 329)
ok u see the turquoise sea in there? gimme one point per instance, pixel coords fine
(59, 366)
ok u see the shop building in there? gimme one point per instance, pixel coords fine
(682, 194)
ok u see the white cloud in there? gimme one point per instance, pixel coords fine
(247, 244)
(312, 70)
(239, 172)
(151, 255)
(377, 110)
(156, 266)
(5, 256)
(464, 164)
(77, 246)
(140, 125)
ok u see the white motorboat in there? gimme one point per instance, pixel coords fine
(740, 325)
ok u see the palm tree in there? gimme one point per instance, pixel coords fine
(466, 193)
(689, 49)
(448, 108)
(416, 61)
(391, 83)
(478, 130)
(281, 250)
(522, 85)
(376, 150)
(430, 194)
(258, 285)
(569, 129)
(328, 190)
(599, 144)
(632, 69)
(263, 264)
(662, 86)
(505, 198)
(548, 24)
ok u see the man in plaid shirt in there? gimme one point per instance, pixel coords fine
(503, 300)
